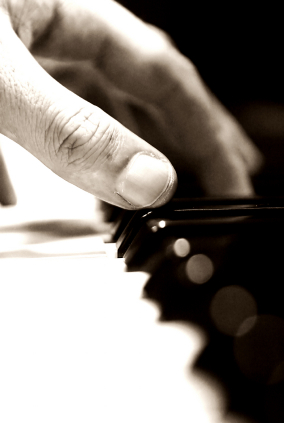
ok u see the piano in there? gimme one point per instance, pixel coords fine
(178, 318)
(186, 324)
(218, 264)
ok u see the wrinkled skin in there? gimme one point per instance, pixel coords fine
(128, 62)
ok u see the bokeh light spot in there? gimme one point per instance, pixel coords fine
(154, 228)
(246, 325)
(199, 268)
(181, 247)
(230, 309)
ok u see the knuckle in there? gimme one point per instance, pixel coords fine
(162, 37)
(157, 47)
(84, 141)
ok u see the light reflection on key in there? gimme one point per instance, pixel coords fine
(199, 268)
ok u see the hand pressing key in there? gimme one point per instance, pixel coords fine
(84, 145)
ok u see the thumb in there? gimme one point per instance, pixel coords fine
(75, 139)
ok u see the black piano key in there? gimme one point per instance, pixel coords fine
(143, 233)
(120, 223)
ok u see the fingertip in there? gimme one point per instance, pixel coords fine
(147, 181)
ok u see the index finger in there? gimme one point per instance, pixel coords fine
(137, 57)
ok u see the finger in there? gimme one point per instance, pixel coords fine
(7, 193)
(141, 61)
(75, 139)
(143, 118)
(88, 83)
(240, 141)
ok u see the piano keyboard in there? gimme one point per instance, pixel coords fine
(206, 339)
(218, 264)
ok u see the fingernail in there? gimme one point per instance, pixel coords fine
(145, 180)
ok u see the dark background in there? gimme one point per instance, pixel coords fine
(237, 50)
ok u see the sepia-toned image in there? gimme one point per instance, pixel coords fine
(141, 212)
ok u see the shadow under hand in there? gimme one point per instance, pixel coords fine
(53, 238)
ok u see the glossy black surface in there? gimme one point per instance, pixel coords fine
(187, 213)
(228, 280)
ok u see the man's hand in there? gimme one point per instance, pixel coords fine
(84, 145)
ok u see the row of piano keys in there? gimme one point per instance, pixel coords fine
(219, 264)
